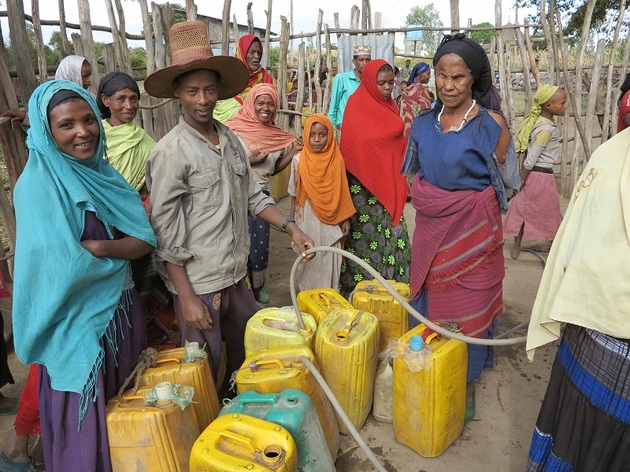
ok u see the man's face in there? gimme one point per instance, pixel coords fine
(198, 93)
(360, 62)
(407, 63)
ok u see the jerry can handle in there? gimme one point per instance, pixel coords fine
(263, 362)
(240, 439)
(260, 398)
(325, 298)
(168, 359)
(344, 335)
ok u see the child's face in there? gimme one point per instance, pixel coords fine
(318, 137)
(557, 104)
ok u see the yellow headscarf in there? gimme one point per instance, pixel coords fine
(543, 94)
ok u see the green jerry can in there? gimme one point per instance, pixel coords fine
(293, 410)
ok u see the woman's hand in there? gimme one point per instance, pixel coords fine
(15, 114)
(345, 227)
(126, 248)
(257, 157)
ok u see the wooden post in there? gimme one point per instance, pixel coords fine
(65, 44)
(282, 67)
(503, 80)
(236, 33)
(532, 57)
(378, 20)
(318, 61)
(509, 94)
(39, 40)
(87, 40)
(592, 96)
(355, 16)
(148, 36)
(606, 124)
(225, 40)
(77, 44)
(250, 19)
(117, 44)
(366, 17)
(327, 90)
(109, 57)
(299, 101)
(19, 43)
(624, 62)
(454, 16)
(191, 10)
(125, 63)
(268, 34)
(550, 37)
(526, 64)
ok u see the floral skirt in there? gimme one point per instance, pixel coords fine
(373, 238)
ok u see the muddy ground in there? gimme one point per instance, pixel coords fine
(508, 396)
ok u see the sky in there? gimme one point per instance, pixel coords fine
(305, 13)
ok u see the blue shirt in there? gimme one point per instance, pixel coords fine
(344, 85)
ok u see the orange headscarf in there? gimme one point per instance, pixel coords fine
(373, 144)
(322, 177)
(256, 135)
(257, 76)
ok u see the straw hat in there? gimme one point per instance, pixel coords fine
(190, 50)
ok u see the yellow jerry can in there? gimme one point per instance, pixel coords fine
(321, 302)
(346, 347)
(371, 296)
(277, 327)
(149, 438)
(171, 367)
(275, 370)
(429, 405)
(241, 442)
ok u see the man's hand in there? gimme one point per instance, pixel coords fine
(195, 313)
(301, 240)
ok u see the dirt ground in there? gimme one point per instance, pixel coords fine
(508, 396)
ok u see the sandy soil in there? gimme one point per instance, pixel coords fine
(508, 396)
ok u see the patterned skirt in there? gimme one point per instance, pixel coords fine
(373, 238)
(584, 421)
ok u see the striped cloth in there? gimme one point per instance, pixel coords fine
(584, 421)
(457, 255)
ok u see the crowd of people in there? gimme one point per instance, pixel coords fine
(124, 227)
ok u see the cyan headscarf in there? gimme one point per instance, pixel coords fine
(64, 298)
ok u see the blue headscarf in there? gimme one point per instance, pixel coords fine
(64, 298)
(418, 69)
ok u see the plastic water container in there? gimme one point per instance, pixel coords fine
(429, 405)
(275, 370)
(383, 405)
(321, 302)
(371, 296)
(171, 367)
(149, 438)
(293, 410)
(277, 327)
(241, 442)
(346, 347)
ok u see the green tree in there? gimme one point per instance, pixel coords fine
(138, 57)
(426, 16)
(485, 36)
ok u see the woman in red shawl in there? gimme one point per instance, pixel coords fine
(373, 146)
(249, 50)
(271, 150)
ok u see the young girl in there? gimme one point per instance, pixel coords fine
(535, 211)
(321, 202)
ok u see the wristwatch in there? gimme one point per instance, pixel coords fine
(286, 223)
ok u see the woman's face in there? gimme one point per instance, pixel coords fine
(74, 127)
(123, 105)
(385, 83)
(86, 75)
(453, 81)
(318, 137)
(265, 108)
(424, 77)
(254, 53)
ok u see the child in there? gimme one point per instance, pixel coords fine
(535, 210)
(321, 202)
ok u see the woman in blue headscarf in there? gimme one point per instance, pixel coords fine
(416, 95)
(75, 312)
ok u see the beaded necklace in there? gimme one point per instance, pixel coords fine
(474, 102)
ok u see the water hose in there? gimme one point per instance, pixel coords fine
(397, 297)
(342, 414)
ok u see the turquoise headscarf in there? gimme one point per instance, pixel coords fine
(64, 298)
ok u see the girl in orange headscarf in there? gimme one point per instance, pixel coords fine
(271, 150)
(249, 50)
(321, 203)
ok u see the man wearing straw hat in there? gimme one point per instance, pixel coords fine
(346, 83)
(201, 191)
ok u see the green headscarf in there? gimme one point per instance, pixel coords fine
(543, 94)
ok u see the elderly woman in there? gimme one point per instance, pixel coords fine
(249, 50)
(76, 312)
(270, 151)
(457, 259)
(373, 147)
(416, 95)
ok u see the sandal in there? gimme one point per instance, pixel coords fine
(470, 410)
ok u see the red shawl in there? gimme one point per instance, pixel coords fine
(256, 76)
(373, 144)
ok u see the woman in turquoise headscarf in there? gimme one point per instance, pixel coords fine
(75, 312)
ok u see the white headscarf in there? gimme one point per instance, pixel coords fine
(70, 69)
